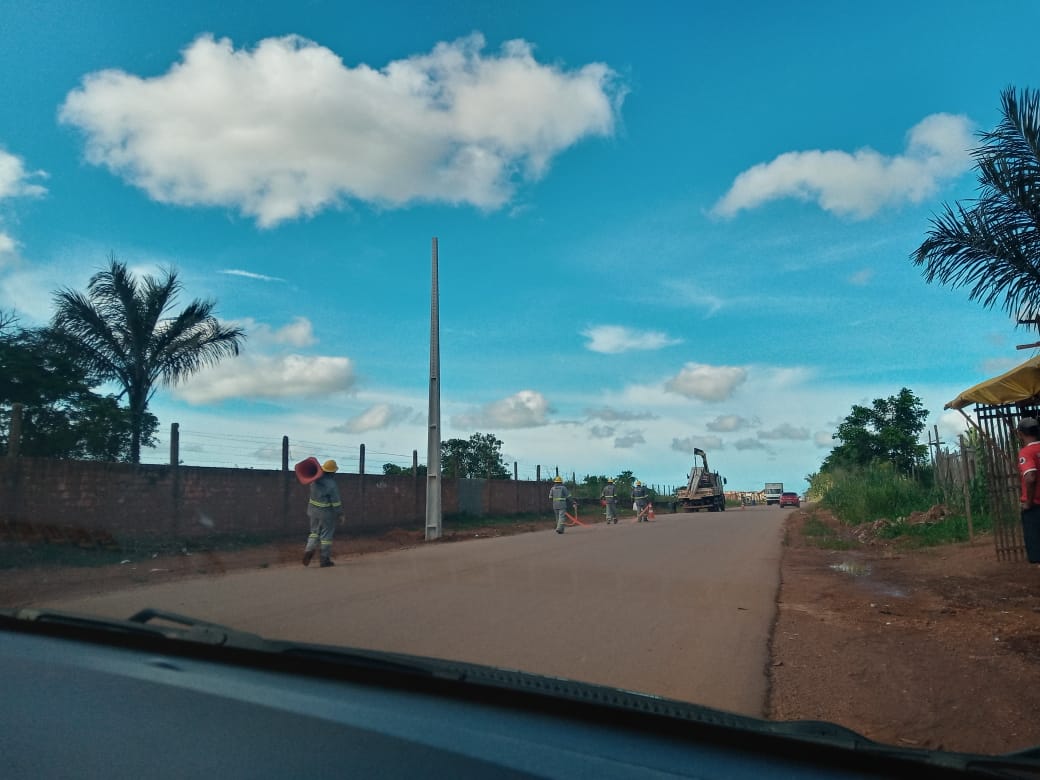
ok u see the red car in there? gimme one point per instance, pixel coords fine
(789, 499)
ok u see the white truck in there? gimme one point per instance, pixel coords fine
(773, 491)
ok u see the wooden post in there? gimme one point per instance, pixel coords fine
(967, 489)
(361, 476)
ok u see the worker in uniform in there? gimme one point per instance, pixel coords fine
(324, 510)
(641, 499)
(609, 498)
(559, 495)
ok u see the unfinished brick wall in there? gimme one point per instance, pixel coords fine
(132, 502)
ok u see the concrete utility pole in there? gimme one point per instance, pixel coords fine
(433, 439)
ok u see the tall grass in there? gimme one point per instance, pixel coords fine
(863, 495)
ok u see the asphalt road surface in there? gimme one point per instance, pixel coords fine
(681, 607)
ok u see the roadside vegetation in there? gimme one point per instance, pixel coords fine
(876, 485)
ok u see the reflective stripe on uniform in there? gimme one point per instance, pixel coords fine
(324, 504)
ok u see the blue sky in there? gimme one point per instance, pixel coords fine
(661, 225)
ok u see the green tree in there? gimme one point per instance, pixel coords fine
(887, 430)
(993, 245)
(62, 417)
(480, 456)
(124, 333)
(393, 470)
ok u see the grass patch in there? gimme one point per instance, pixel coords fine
(949, 530)
(465, 521)
(817, 533)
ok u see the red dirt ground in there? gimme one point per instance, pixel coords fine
(934, 648)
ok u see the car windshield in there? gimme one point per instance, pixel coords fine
(444, 330)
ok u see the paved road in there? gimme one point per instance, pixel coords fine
(681, 607)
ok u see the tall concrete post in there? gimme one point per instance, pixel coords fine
(433, 439)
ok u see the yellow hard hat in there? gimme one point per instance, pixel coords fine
(330, 466)
(638, 483)
(610, 479)
(557, 478)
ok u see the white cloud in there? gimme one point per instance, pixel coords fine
(749, 444)
(688, 444)
(862, 277)
(250, 275)
(613, 415)
(7, 244)
(525, 409)
(613, 339)
(859, 184)
(269, 377)
(728, 423)
(707, 383)
(998, 366)
(286, 129)
(629, 440)
(785, 431)
(824, 439)
(375, 418)
(15, 179)
(260, 335)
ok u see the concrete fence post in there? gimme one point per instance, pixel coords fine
(14, 435)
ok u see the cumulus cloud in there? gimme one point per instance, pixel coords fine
(613, 339)
(614, 415)
(374, 418)
(860, 183)
(525, 409)
(298, 333)
(629, 440)
(749, 444)
(602, 431)
(785, 431)
(286, 129)
(688, 444)
(707, 383)
(15, 180)
(269, 377)
(727, 423)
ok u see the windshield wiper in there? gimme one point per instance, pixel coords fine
(161, 624)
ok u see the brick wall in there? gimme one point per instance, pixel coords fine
(132, 502)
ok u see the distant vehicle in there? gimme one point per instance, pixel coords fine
(704, 490)
(773, 491)
(790, 499)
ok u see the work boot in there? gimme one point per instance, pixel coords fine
(307, 556)
(327, 562)
(559, 530)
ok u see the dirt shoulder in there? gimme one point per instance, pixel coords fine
(933, 648)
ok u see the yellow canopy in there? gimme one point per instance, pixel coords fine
(1019, 384)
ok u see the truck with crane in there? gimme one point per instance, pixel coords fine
(704, 489)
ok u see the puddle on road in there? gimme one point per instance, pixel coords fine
(850, 567)
(857, 569)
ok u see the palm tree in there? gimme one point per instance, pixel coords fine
(993, 245)
(122, 333)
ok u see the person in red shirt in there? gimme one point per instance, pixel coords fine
(1029, 470)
